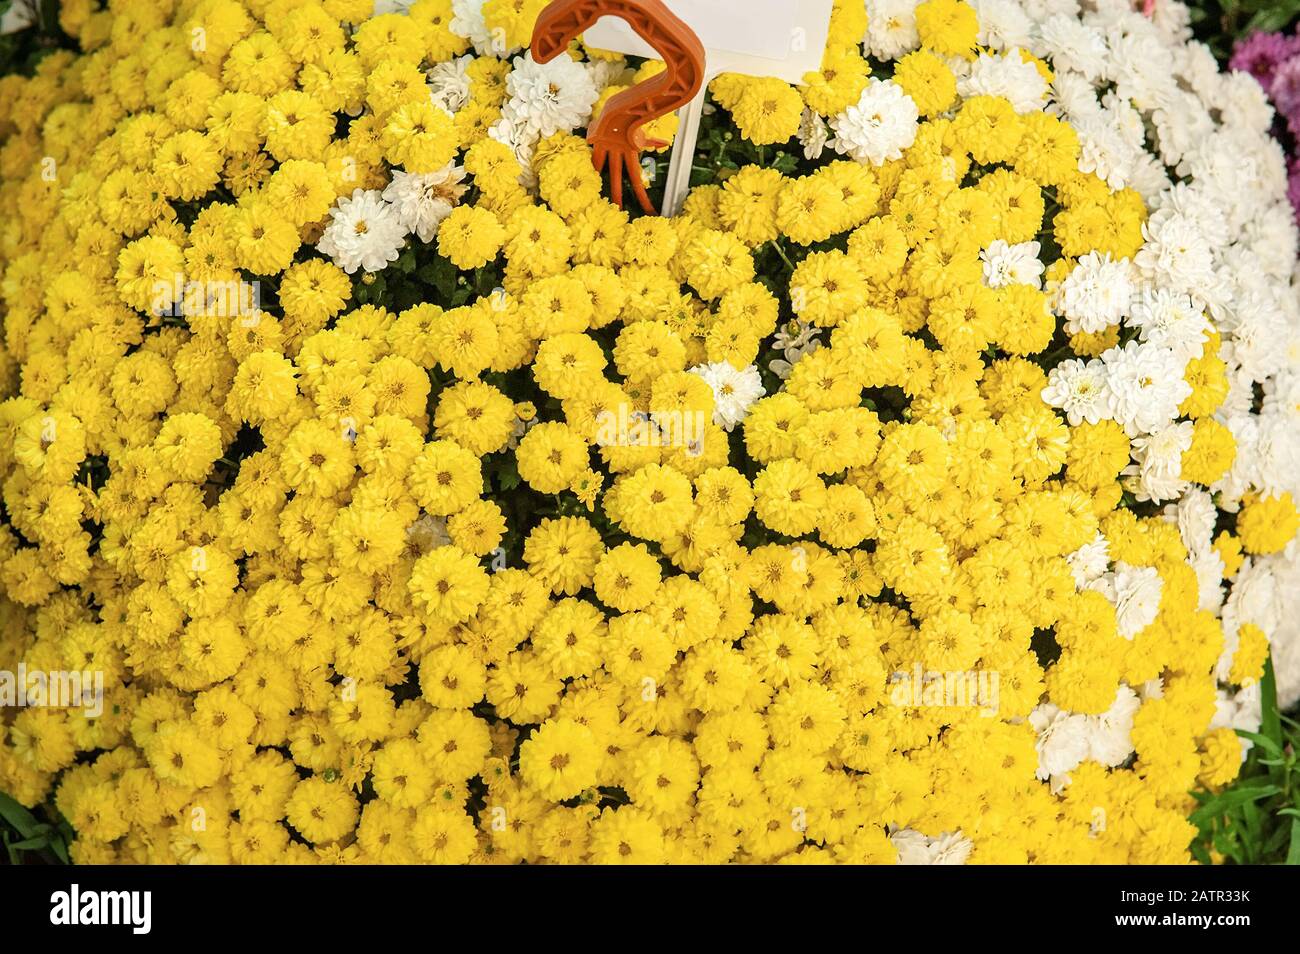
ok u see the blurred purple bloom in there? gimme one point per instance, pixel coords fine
(1293, 187)
(1285, 90)
(1260, 54)
(1274, 60)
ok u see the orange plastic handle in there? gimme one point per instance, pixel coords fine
(617, 134)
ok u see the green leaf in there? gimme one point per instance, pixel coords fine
(1271, 723)
(508, 475)
(1264, 742)
(18, 817)
(1231, 798)
(60, 848)
(1271, 18)
(785, 163)
(441, 274)
(31, 844)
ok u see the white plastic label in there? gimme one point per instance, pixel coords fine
(780, 38)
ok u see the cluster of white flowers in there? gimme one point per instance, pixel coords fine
(544, 98)
(369, 229)
(1154, 114)
(1066, 739)
(423, 200)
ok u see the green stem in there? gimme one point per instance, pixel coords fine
(722, 151)
(776, 244)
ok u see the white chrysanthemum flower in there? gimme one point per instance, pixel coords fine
(520, 141)
(1110, 735)
(1243, 709)
(1079, 389)
(1104, 147)
(1139, 64)
(1180, 126)
(733, 390)
(1255, 598)
(546, 98)
(1278, 452)
(1148, 176)
(1245, 101)
(1096, 294)
(1090, 562)
(1285, 637)
(423, 200)
(606, 73)
(1063, 740)
(917, 848)
(794, 339)
(1209, 567)
(1017, 264)
(1173, 20)
(1008, 76)
(813, 134)
(467, 22)
(1128, 122)
(891, 28)
(1235, 415)
(1196, 516)
(1176, 255)
(1197, 70)
(1073, 98)
(1071, 45)
(879, 126)
(1146, 384)
(1170, 319)
(1273, 240)
(1198, 206)
(1003, 24)
(1258, 326)
(1156, 473)
(364, 232)
(449, 83)
(1135, 591)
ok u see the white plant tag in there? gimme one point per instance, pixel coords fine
(780, 38)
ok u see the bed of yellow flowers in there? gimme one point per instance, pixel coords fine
(537, 535)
